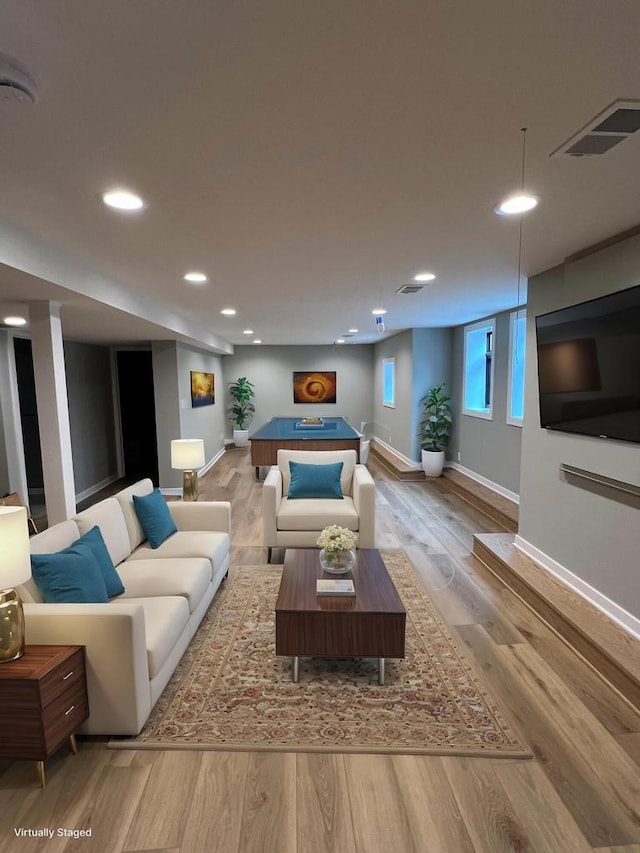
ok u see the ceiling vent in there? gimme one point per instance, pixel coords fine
(620, 120)
(410, 288)
(16, 86)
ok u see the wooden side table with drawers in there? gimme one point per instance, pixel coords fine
(43, 701)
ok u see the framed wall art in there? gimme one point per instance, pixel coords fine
(316, 386)
(202, 389)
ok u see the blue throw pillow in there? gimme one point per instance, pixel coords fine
(154, 517)
(315, 481)
(93, 538)
(71, 576)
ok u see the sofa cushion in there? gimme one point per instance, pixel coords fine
(315, 481)
(318, 457)
(316, 515)
(187, 543)
(109, 518)
(71, 576)
(165, 618)
(190, 578)
(113, 583)
(155, 518)
(125, 499)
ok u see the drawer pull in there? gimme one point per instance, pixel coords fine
(64, 677)
(66, 713)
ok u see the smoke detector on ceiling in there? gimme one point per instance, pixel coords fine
(620, 120)
(16, 85)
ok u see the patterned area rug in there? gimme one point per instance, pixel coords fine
(230, 691)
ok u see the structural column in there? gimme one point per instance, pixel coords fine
(53, 410)
(10, 408)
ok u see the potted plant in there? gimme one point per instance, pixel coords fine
(435, 429)
(241, 409)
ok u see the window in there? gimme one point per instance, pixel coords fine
(478, 369)
(389, 382)
(515, 390)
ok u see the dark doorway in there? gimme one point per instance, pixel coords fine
(29, 422)
(137, 415)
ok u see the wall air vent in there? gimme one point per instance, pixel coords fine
(410, 288)
(620, 120)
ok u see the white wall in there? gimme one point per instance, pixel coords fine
(591, 535)
(271, 369)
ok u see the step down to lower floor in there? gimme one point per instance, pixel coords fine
(498, 507)
(394, 464)
(612, 651)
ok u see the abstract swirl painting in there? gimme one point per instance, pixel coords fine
(318, 386)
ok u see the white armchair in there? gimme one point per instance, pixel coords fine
(296, 523)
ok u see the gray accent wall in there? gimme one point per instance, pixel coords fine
(591, 534)
(422, 360)
(271, 369)
(490, 448)
(175, 418)
(90, 397)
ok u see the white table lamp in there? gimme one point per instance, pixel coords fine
(187, 455)
(15, 568)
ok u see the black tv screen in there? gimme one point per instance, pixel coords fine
(589, 367)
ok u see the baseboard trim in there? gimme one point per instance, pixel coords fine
(410, 463)
(593, 596)
(86, 493)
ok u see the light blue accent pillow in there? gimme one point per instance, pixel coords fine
(71, 576)
(113, 582)
(154, 517)
(315, 481)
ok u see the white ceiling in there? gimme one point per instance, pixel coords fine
(309, 156)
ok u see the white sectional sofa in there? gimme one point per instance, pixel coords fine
(134, 642)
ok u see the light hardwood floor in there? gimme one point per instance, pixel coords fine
(581, 792)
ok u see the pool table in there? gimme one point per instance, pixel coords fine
(294, 434)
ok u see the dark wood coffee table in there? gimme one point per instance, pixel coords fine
(369, 624)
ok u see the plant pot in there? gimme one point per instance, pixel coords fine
(241, 437)
(432, 462)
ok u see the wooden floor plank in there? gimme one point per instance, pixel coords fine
(268, 823)
(215, 813)
(488, 814)
(160, 818)
(321, 785)
(532, 795)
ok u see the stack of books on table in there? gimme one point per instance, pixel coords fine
(326, 586)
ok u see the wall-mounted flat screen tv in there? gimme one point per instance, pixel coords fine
(589, 367)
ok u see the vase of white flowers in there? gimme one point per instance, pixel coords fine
(338, 549)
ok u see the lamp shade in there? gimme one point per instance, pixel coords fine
(15, 562)
(187, 454)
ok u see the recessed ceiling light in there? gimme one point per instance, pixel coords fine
(248, 332)
(195, 277)
(228, 312)
(520, 203)
(353, 331)
(14, 321)
(379, 311)
(424, 276)
(257, 341)
(122, 200)
(340, 341)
